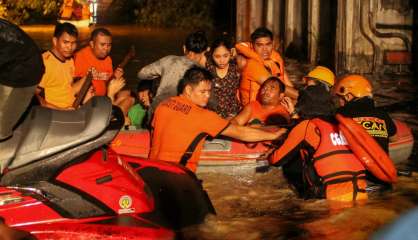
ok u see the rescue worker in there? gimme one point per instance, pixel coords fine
(330, 170)
(261, 63)
(320, 75)
(181, 123)
(355, 99)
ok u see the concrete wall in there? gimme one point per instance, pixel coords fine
(255, 13)
(102, 8)
(366, 29)
(362, 32)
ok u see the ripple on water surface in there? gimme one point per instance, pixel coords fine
(261, 206)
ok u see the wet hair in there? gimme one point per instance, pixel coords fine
(196, 42)
(65, 27)
(282, 87)
(315, 101)
(193, 76)
(98, 31)
(144, 85)
(223, 40)
(261, 32)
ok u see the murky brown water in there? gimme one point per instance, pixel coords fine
(260, 205)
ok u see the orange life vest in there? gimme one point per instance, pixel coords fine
(255, 69)
(339, 172)
(370, 153)
(262, 114)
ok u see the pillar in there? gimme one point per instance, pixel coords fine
(313, 30)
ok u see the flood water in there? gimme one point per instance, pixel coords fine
(253, 205)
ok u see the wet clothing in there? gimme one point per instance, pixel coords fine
(177, 123)
(223, 99)
(255, 69)
(330, 169)
(57, 80)
(170, 69)
(84, 60)
(260, 114)
(376, 122)
(137, 114)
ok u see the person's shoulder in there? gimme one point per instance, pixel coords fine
(49, 58)
(82, 51)
(303, 124)
(275, 56)
(169, 58)
(206, 114)
(163, 62)
(46, 55)
(179, 60)
(253, 66)
(168, 102)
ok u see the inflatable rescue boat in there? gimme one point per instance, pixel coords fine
(226, 154)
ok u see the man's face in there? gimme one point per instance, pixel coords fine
(101, 46)
(64, 45)
(270, 93)
(200, 93)
(263, 46)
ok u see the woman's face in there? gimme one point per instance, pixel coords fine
(221, 56)
(144, 97)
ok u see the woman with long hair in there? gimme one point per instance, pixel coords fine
(224, 97)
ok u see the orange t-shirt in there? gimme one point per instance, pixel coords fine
(176, 123)
(262, 114)
(84, 60)
(57, 80)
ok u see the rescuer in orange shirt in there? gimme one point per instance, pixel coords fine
(329, 168)
(262, 62)
(181, 123)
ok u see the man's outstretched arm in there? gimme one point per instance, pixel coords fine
(249, 134)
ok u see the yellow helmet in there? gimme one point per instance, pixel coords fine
(357, 85)
(322, 74)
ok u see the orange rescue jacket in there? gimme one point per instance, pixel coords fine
(261, 114)
(335, 164)
(255, 69)
(331, 170)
